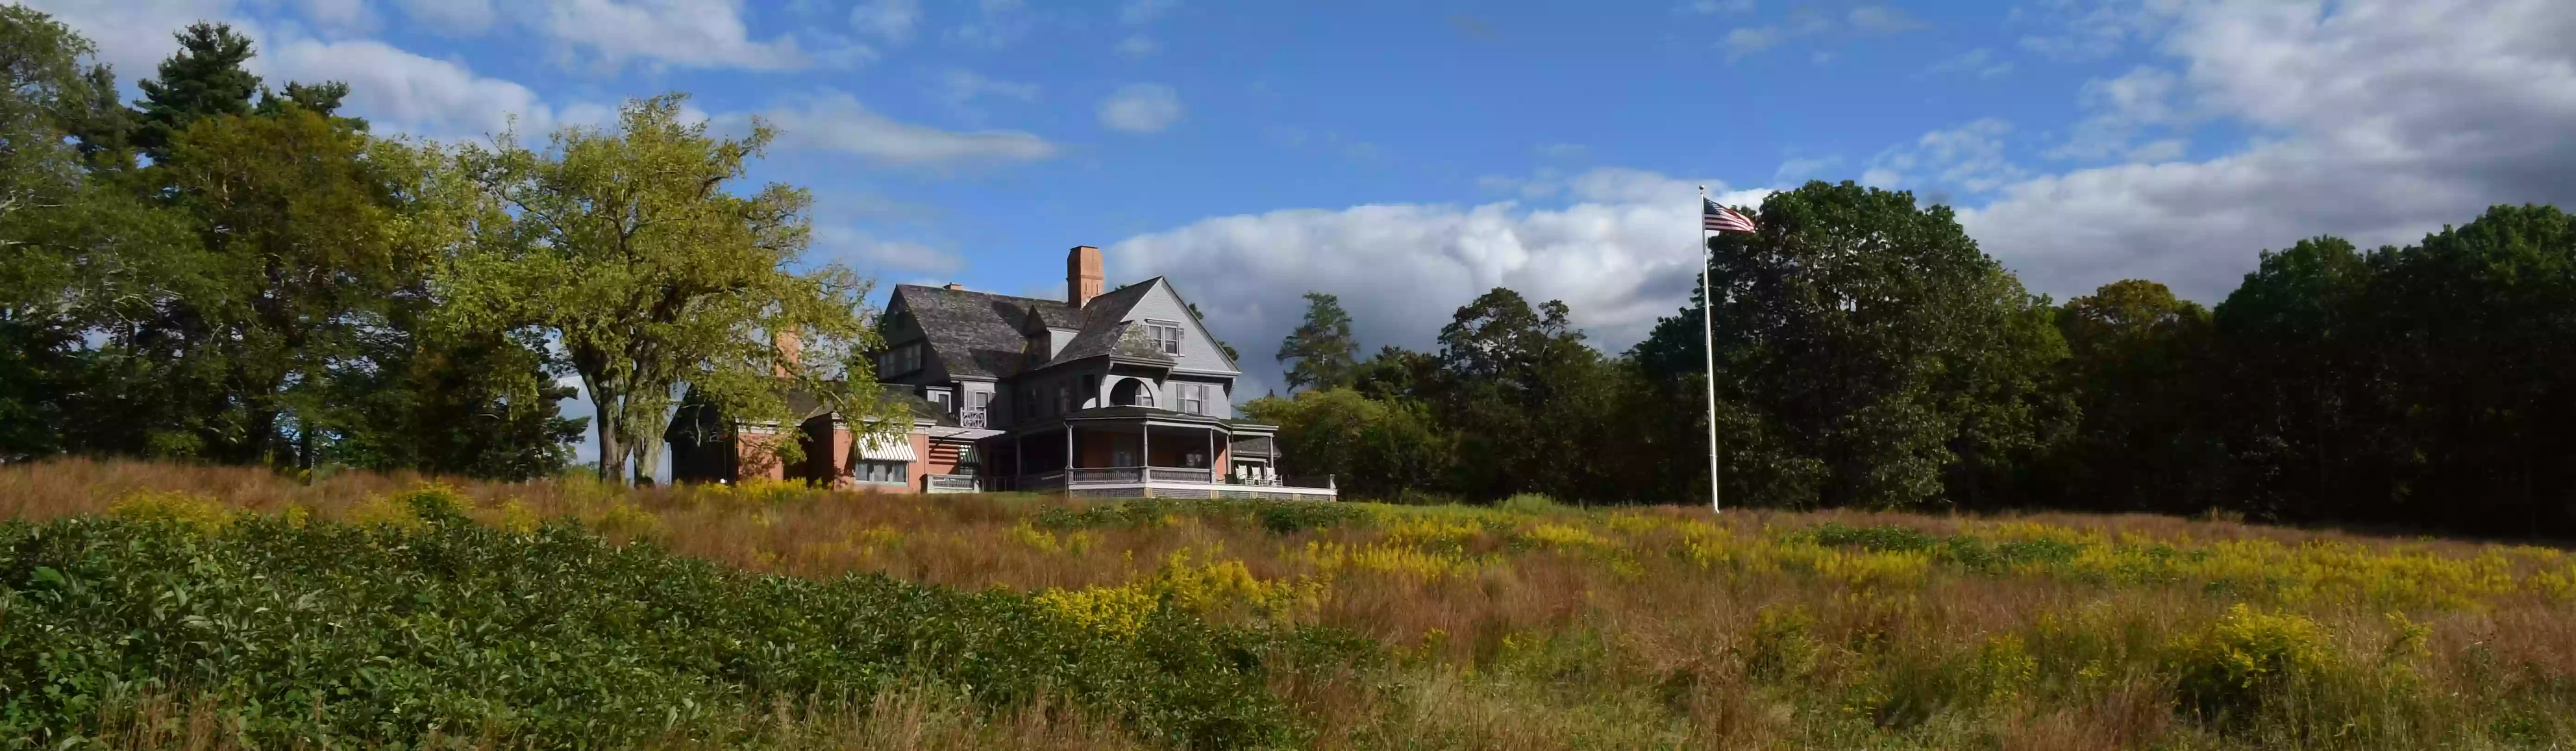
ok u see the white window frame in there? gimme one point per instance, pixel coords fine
(1169, 345)
(978, 411)
(882, 472)
(1193, 398)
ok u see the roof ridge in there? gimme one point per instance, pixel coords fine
(937, 288)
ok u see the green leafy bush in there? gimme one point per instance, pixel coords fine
(366, 635)
(2228, 673)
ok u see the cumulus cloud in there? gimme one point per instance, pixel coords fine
(677, 33)
(833, 121)
(1621, 254)
(1970, 156)
(407, 93)
(1141, 108)
(134, 35)
(2377, 120)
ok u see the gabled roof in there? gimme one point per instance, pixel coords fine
(977, 334)
(981, 334)
(1108, 334)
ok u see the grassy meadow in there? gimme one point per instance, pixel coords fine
(161, 606)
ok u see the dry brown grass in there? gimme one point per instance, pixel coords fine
(1628, 644)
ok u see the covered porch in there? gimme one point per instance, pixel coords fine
(1143, 452)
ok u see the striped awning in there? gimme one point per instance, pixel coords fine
(885, 448)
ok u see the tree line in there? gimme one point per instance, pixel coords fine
(1869, 355)
(226, 272)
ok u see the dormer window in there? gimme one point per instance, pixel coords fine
(900, 360)
(1166, 336)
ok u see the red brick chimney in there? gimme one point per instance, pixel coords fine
(788, 348)
(1082, 275)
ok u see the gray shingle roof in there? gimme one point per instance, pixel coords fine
(977, 334)
(981, 334)
(1107, 335)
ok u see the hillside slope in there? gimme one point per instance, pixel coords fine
(164, 606)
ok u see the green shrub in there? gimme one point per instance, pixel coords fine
(336, 635)
(1530, 503)
(2228, 673)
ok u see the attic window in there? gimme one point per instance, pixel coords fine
(1166, 334)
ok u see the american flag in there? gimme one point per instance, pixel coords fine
(1722, 219)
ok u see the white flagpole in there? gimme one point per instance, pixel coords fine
(1708, 346)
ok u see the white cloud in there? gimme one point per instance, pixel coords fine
(134, 35)
(1795, 170)
(2123, 107)
(1141, 108)
(404, 92)
(339, 16)
(1621, 255)
(1137, 46)
(464, 17)
(1144, 11)
(397, 90)
(2376, 120)
(678, 33)
(1749, 40)
(963, 87)
(2082, 30)
(1807, 21)
(865, 251)
(836, 122)
(1980, 62)
(1969, 157)
(890, 20)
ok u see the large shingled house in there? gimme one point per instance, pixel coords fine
(1108, 394)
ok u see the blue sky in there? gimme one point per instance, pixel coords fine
(1408, 155)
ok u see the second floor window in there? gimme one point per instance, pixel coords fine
(1063, 399)
(973, 415)
(1193, 398)
(1166, 335)
(901, 360)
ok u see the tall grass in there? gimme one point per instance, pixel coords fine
(1535, 626)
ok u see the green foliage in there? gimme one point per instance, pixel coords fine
(205, 78)
(2247, 659)
(1530, 503)
(624, 248)
(1322, 345)
(1882, 538)
(333, 634)
(1371, 447)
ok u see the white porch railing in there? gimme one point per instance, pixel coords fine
(1174, 481)
(953, 484)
